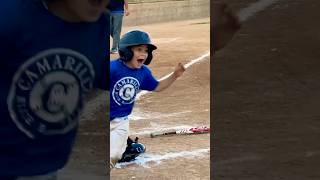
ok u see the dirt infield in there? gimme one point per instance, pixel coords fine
(266, 96)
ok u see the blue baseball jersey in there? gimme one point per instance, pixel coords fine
(47, 67)
(125, 83)
(116, 6)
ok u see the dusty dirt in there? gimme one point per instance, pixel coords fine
(266, 96)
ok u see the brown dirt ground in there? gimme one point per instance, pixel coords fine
(266, 96)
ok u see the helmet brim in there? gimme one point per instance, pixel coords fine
(150, 46)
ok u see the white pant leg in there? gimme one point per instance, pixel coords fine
(119, 132)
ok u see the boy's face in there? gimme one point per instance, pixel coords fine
(140, 54)
(87, 10)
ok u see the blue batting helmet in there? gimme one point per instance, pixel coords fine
(134, 38)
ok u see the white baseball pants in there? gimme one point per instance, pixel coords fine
(119, 132)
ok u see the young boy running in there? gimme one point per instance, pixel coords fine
(128, 75)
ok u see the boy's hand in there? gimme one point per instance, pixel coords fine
(166, 81)
(225, 24)
(127, 12)
(179, 70)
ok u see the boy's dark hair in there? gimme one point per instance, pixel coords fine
(135, 38)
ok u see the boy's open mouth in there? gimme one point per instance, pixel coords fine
(140, 60)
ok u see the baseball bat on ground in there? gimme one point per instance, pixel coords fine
(184, 131)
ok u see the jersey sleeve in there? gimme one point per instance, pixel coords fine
(149, 82)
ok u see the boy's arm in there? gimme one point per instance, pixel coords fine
(168, 80)
(126, 8)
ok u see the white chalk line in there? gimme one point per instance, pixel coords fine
(138, 115)
(201, 58)
(245, 13)
(164, 40)
(239, 160)
(147, 159)
(192, 62)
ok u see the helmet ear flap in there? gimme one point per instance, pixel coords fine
(149, 58)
